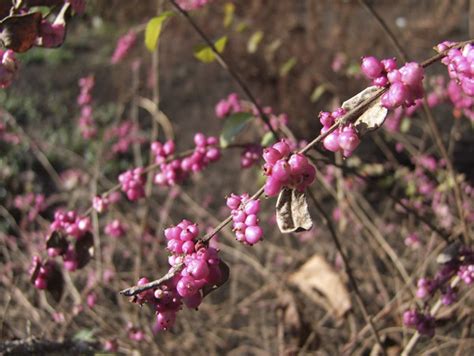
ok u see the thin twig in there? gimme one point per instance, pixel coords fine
(224, 64)
(129, 292)
(386, 29)
(358, 295)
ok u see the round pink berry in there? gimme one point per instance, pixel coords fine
(253, 234)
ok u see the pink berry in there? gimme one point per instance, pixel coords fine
(251, 220)
(41, 283)
(272, 186)
(389, 64)
(371, 67)
(331, 142)
(412, 73)
(281, 171)
(348, 139)
(297, 163)
(252, 207)
(253, 234)
(271, 155)
(186, 287)
(282, 147)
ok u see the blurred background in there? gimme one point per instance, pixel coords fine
(297, 57)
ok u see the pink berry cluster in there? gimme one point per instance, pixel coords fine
(244, 216)
(344, 139)
(228, 106)
(84, 100)
(70, 224)
(115, 228)
(31, 203)
(124, 45)
(406, 83)
(460, 63)
(8, 67)
(132, 183)
(125, 134)
(174, 171)
(41, 272)
(200, 268)
(192, 4)
(423, 322)
(102, 203)
(460, 263)
(285, 169)
(250, 155)
(461, 101)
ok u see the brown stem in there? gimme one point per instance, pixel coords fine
(385, 29)
(129, 292)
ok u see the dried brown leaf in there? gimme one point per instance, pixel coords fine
(292, 212)
(224, 276)
(318, 276)
(372, 118)
(19, 32)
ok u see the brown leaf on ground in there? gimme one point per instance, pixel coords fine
(318, 280)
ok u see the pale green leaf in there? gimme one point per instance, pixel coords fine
(85, 335)
(267, 139)
(287, 66)
(233, 125)
(205, 53)
(254, 41)
(241, 26)
(405, 125)
(229, 9)
(317, 93)
(153, 30)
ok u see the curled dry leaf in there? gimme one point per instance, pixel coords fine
(58, 241)
(19, 32)
(318, 279)
(449, 253)
(224, 277)
(85, 249)
(292, 212)
(372, 118)
(55, 282)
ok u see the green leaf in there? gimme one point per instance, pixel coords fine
(254, 41)
(205, 53)
(317, 93)
(405, 125)
(233, 125)
(267, 139)
(242, 26)
(229, 9)
(85, 335)
(287, 66)
(353, 70)
(153, 30)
